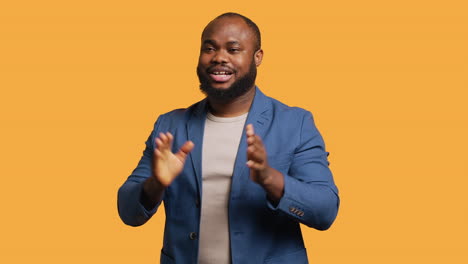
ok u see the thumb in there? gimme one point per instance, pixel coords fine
(185, 150)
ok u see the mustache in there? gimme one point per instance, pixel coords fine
(220, 68)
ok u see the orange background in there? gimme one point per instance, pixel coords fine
(83, 81)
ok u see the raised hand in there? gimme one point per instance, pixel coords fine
(260, 172)
(167, 165)
(256, 156)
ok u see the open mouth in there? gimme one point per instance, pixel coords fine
(220, 76)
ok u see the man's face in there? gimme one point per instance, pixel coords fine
(227, 66)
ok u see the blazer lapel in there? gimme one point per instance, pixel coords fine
(259, 116)
(195, 128)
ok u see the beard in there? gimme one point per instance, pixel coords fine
(238, 88)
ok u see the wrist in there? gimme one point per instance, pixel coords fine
(273, 184)
(152, 192)
(268, 176)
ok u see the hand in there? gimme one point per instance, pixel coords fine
(257, 157)
(260, 172)
(167, 165)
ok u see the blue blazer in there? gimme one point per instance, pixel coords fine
(260, 232)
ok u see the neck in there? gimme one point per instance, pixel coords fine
(234, 107)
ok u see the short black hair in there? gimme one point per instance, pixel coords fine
(250, 23)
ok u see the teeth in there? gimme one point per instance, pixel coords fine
(220, 73)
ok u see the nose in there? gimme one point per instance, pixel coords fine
(219, 57)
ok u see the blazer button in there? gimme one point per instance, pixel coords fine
(193, 235)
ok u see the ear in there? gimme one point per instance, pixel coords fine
(258, 56)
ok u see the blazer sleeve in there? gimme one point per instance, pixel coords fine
(310, 195)
(131, 210)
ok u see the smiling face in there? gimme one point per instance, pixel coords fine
(227, 66)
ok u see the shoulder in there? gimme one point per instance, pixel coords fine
(179, 116)
(289, 113)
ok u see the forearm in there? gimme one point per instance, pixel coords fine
(274, 185)
(152, 193)
(311, 203)
(129, 201)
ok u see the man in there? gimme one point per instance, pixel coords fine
(237, 171)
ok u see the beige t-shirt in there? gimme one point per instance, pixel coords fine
(220, 145)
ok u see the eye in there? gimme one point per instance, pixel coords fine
(208, 49)
(234, 50)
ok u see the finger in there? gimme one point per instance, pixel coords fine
(254, 165)
(258, 143)
(187, 147)
(169, 137)
(255, 143)
(256, 155)
(158, 153)
(249, 130)
(254, 139)
(165, 141)
(250, 151)
(250, 140)
(163, 146)
(159, 143)
(163, 138)
(185, 150)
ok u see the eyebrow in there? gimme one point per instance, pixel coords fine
(209, 41)
(212, 42)
(233, 42)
